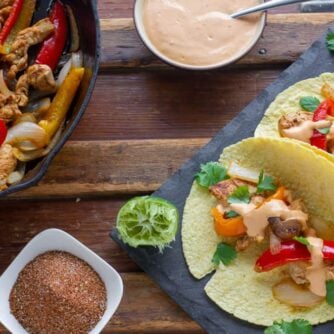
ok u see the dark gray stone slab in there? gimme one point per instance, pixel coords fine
(169, 269)
(317, 6)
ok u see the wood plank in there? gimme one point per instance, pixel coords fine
(285, 37)
(145, 309)
(168, 104)
(107, 168)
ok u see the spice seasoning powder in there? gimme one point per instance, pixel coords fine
(58, 293)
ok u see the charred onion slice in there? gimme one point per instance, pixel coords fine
(290, 293)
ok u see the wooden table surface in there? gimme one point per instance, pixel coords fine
(144, 120)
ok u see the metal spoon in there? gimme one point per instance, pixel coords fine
(265, 6)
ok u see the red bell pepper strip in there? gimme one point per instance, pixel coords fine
(319, 139)
(53, 47)
(291, 251)
(11, 20)
(3, 132)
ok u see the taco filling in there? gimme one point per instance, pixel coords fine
(261, 218)
(256, 211)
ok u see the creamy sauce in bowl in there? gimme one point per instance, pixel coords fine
(200, 32)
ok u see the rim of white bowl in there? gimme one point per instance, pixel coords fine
(58, 240)
(139, 25)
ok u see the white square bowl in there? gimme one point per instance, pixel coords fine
(53, 240)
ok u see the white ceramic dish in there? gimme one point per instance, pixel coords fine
(54, 239)
(139, 24)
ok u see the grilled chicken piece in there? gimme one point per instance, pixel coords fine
(4, 13)
(243, 243)
(18, 57)
(297, 271)
(39, 77)
(5, 3)
(224, 189)
(7, 164)
(290, 120)
(9, 109)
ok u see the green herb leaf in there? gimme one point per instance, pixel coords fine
(324, 131)
(330, 41)
(225, 254)
(330, 292)
(298, 326)
(231, 214)
(302, 240)
(309, 103)
(210, 174)
(266, 183)
(239, 195)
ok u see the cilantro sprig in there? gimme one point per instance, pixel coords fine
(330, 41)
(266, 183)
(210, 174)
(324, 131)
(309, 103)
(240, 195)
(225, 254)
(302, 240)
(231, 214)
(330, 292)
(298, 326)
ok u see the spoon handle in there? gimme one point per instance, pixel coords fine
(265, 6)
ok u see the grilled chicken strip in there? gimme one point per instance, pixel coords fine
(7, 164)
(224, 189)
(18, 57)
(4, 13)
(37, 76)
(9, 109)
(5, 3)
(292, 119)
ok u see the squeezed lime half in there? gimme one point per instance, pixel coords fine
(147, 221)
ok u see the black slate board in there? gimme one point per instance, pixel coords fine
(169, 269)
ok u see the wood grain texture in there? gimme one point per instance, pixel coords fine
(122, 47)
(104, 168)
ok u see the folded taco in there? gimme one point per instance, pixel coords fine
(262, 218)
(304, 112)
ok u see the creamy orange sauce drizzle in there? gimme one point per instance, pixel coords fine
(304, 131)
(200, 32)
(256, 219)
(316, 273)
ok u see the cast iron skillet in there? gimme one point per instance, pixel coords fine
(87, 19)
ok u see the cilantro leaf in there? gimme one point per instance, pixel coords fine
(210, 174)
(302, 240)
(231, 214)
(239, 195)
(324, 131)
(309, 103)
(298, 326)
(224, 253)
(330, 292)
(330, 41)
(266, 183)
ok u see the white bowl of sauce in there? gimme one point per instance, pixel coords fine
(197, 34)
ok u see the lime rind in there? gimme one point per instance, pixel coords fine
(148, 221)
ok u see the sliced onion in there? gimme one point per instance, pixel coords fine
(243, 173)
(38, 107)
(3, 87)
(17, 175)
(288, 292)
(77, 59)
(27, 136)
(32, 155)
(64, 72)
(75, 38)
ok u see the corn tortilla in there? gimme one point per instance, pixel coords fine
(238, 289)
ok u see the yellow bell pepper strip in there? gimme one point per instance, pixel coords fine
(23, 21)
(62, 102)
(228, 227)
